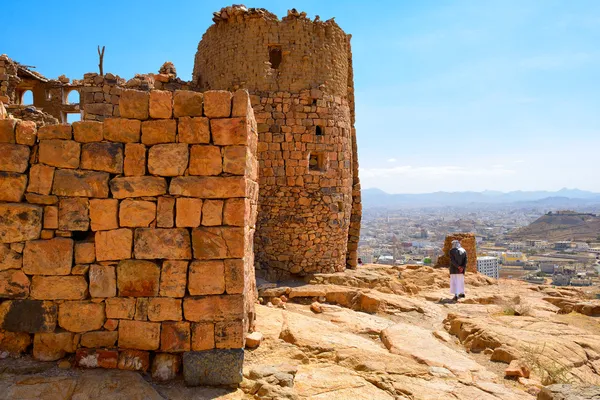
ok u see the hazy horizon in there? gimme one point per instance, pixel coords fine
(450, 96)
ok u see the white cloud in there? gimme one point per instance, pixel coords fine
(392, 160)
(434, 172)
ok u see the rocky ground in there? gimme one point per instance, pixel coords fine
(381, 332)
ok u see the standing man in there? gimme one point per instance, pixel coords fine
(458, 266)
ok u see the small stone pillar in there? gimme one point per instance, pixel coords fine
(467, 241)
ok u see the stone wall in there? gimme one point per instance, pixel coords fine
(129, 242)
(468, 242)
(299, 72)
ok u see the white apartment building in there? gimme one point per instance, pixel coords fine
(488, 266)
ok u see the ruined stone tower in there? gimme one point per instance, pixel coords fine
(299, 73)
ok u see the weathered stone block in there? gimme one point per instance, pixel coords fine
(213, 308)
(203, 336)
(134, 360)
(161, 104)
(173, 278)
(138, 278)
(212, 213)
(19, 222)
(217, 103)
(208, 187)
(187, 104)
(193, 130)
(159, 131)
(50, 217)
(139, 335)
(14, 284)
(234, 276)
(15, 157)
(164, 309)
(141, 309)
(26, 133)
(48, 257)
(236, 212)
(138, 186)
(114, 245)
(30, 316)
(80, 183)
(111, 324)
(62, 131)
(53, 346)
(73, 214)
(59, 153)
(218, 243)
(40, 179)
(81, 316)
(103, 281)
(135, 159)
(189, 211)
(168, 159)
(165, 367)
(96, 358)
(88, 131)
(85, 252)
(7, 130)
(230, 131)
(99, 339)
(10, 259)
(229, 334)
(241, 103)
(107, 157)
(136, 213)
(213, 367)
(134, 104)
(120, 308)
(165, 212)
(103, 214)
(58, 287)
(205, 160)
(206, 277)
(14, 343)
(235, 160)
(12, 186)
(175, 337)
(122, 130)
(172, 244)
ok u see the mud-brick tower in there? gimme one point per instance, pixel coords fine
(299, 72)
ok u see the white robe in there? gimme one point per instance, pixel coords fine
(457, 284)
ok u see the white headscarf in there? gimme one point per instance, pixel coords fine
(456, 244)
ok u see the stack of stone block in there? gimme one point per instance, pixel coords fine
(468, 242)
(129, 242)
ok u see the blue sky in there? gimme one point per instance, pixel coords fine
(451, 95)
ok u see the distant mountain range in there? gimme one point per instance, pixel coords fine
(374, 197)
(565, 225)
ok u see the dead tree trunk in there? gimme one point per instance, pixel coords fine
(101, 63)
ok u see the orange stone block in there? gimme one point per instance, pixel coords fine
(218, 243)
(85, 252)
(48, 257)
(162, 244)
(212, 213)
(114, 245)
(230, 131)
(229, 334)
(59, 153)
(134, 360)
(234, 276)
(159, 131)
(73, 214)
(236, 212)
(173, 278)
(81, 316)
(213, 308)
(165, 212)
(88, 131)
(187, 103)
(14, 284)
(26, 133)
(15, 157)
(208, 187)
(205, 160)
(135, 159)
(134, 104)
(164, 309)
(61, 131)
(40, 179)
(7, 130)
(139, 335)
(103, 281)
(106, 157)
(141, 309)
(206, 277)
(58, 287)
(49, 346)
(103, 214)
(235, 160)
(193, 130)
(138, 278)
(14, 343)
(137, 186)
(122, 130)
(161, 104)
(120, 308)
(12, 186)
(137, 213)
(217, 103)
(80, 183)
(111, 324)
(175, 337)
(203, 336)
(241, 103)
(168, 159)
(189, 211)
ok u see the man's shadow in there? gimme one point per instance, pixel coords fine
(447, 301)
